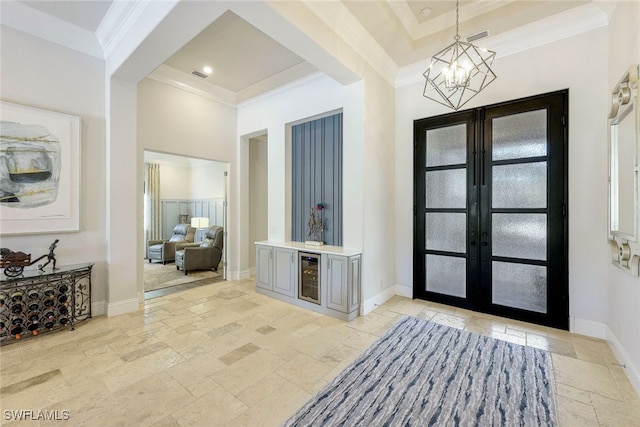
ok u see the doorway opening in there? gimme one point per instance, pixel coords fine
(185, 203)
(258, 195)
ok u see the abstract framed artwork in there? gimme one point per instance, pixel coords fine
(39, 170)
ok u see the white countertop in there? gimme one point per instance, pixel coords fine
(324, 249)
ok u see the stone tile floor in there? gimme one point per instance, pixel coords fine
(222, 355)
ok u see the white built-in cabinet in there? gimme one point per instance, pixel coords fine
(285, 271)
(341, 273)
(277, 276)
(264, 267)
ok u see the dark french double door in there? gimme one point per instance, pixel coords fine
(491, 229)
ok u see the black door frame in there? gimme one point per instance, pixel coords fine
(479, 163)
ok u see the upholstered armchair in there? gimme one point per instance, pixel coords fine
(201, 256)
(165, 250)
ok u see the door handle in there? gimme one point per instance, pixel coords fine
(472, 243)
(484, 243)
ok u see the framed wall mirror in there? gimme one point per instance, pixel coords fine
(624, 151)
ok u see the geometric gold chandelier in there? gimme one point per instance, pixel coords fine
(458, 72)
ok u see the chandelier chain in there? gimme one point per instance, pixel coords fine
(457, 37)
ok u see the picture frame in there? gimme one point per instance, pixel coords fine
(39, 170)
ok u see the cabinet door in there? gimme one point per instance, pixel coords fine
(337, 281)
(284, 273)
(264, 255)
(353, 288)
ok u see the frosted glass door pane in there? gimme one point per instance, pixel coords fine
(519, 135)
(446, 189)
(520, 186)
(447, 146)
(520, 286)
(446, 275)
(519, 235)
(446, 232)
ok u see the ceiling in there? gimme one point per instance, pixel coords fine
(225, 46)
(408, 31)
(85, 14)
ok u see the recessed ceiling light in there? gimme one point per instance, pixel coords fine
(426, 11)
(207, 70)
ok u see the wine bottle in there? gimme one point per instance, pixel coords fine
(16, 308)
(33, 294)
(16, 326)
(63, 288)
(63, 320)
(16, 296)
(62, 298)
(16, 331)
(62, 309)
(33, 327)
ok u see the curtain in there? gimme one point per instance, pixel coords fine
(152, 211)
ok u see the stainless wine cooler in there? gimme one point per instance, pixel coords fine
(309, 279)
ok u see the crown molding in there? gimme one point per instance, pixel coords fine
(42, 25)
(294, 76)
(119, 19)
(184, 81)
(285, 87)
(557, 27)
(297, 72)
(566, 24)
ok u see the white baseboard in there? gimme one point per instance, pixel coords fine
(370, 304)
(404, 291)
(632, 371)
(588, 328)
(98, 308)
(122, 307)
(240, 275)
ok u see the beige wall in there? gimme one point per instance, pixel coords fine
(623, 292)
(174, 121)
(175, 181)
(539, 70)
(45, 75)
(258, 195)
(201, 180)
(207, 180)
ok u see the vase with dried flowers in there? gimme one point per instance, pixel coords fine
(315, 225)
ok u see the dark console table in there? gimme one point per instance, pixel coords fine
(39, 302)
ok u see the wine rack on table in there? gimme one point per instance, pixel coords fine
(38, 302)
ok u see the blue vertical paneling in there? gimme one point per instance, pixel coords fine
(316, 169)
(296, 179)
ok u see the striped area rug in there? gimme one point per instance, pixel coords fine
(421, 373)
